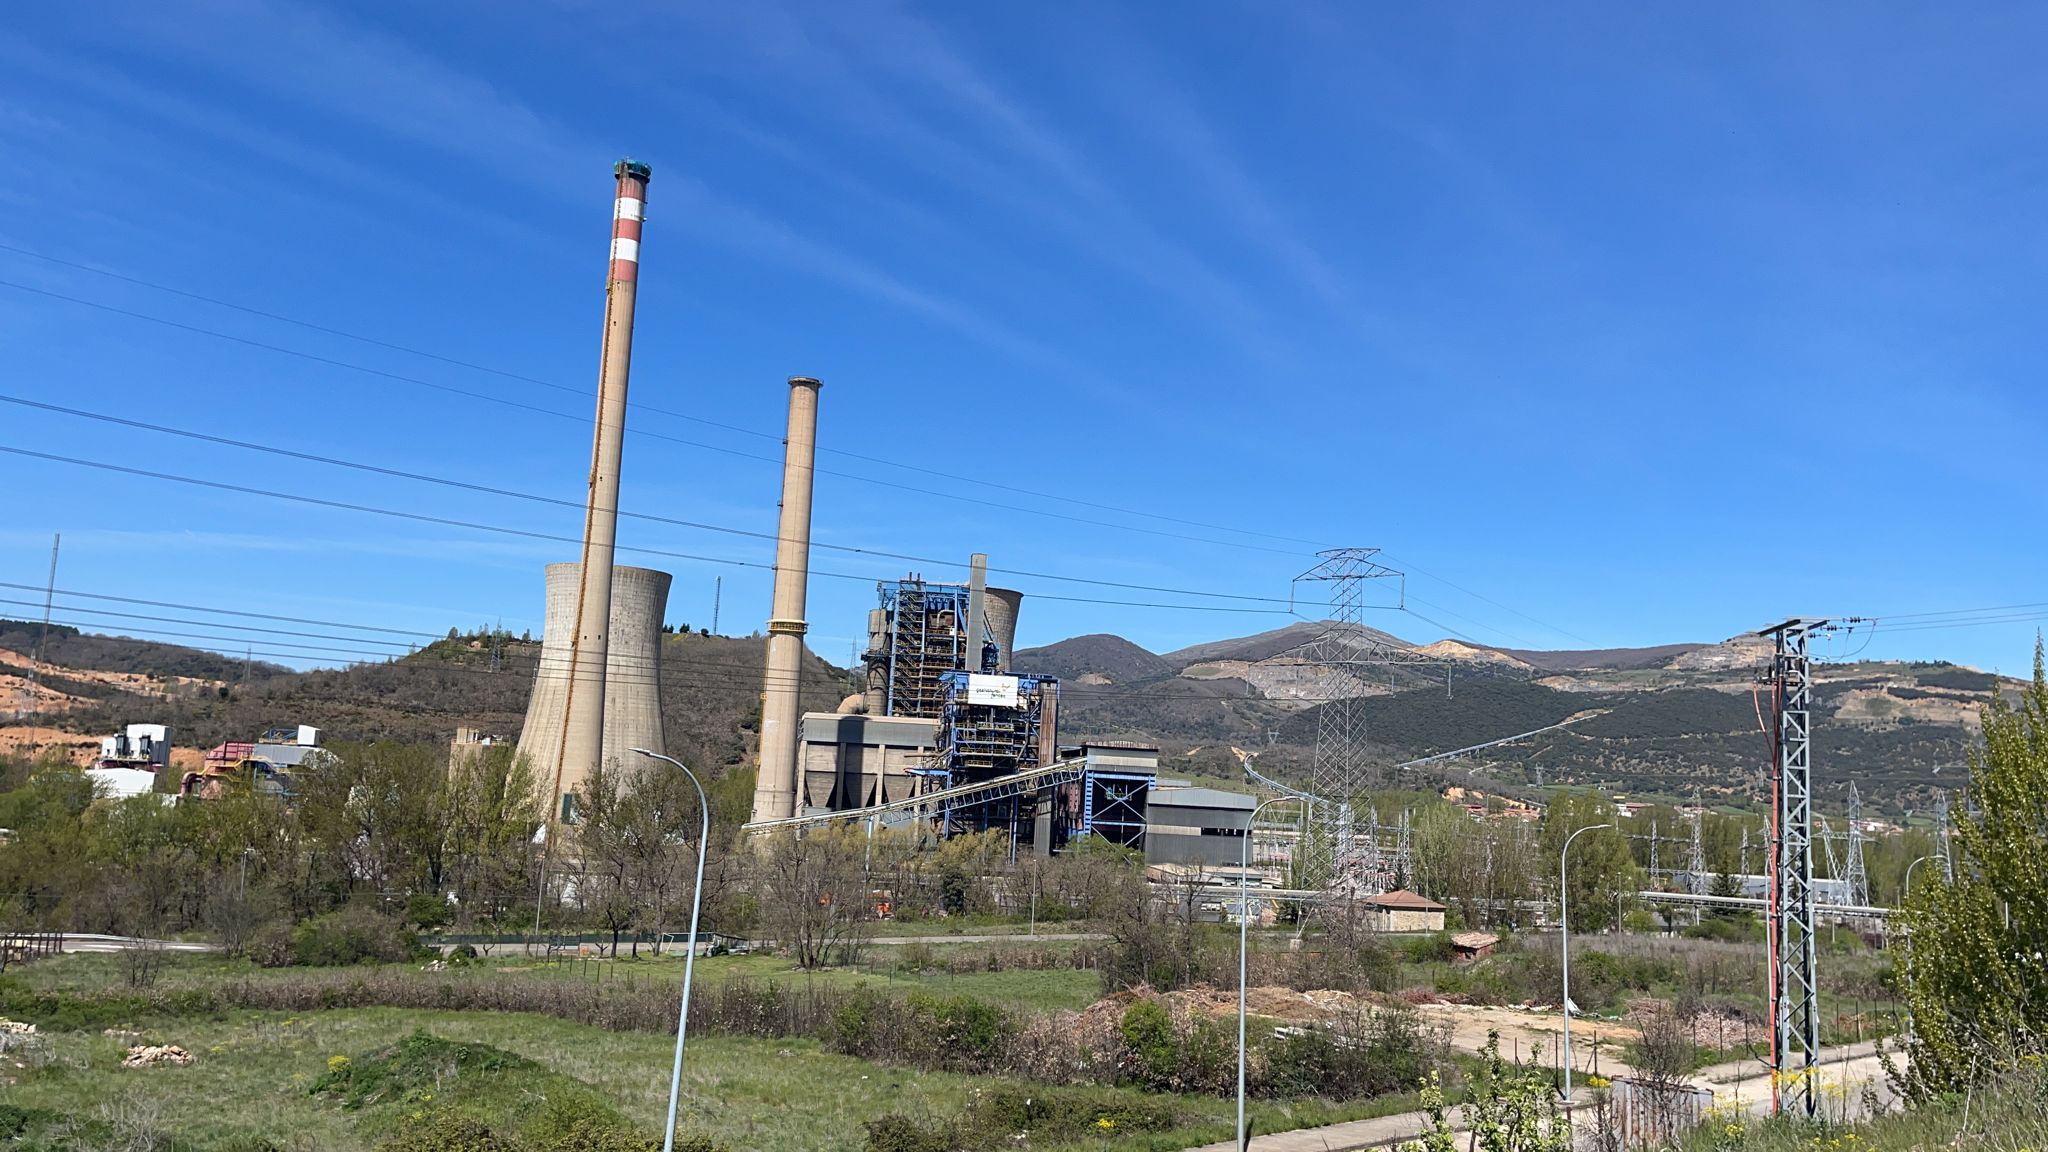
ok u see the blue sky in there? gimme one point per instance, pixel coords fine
(1612, 325)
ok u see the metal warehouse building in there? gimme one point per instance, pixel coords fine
(1199, 826)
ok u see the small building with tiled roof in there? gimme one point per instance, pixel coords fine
(1404, 911)
(1467, 947)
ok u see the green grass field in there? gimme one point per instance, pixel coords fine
(253, 1073)
(250, 1087)
(1027, 990)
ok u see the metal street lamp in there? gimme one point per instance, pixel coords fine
(1907, 887)
(1244, 919)
(675, 1076)
(1564, 934)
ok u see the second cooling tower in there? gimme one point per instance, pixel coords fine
(632, 699)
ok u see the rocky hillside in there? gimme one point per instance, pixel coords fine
(1668, 720)
(1664, 721)
(710, 695)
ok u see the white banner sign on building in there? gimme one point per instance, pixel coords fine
(1000, 691)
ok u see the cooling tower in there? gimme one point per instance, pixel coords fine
(999, 607)
(632, 698)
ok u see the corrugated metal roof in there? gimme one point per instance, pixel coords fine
(1192, 797)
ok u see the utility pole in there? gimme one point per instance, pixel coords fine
(35, 659)
(1948, 871)
(1697, 881)
(1794, 988)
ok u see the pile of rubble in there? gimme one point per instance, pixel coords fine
(156, 1055)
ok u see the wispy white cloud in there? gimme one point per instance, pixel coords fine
(142, 103)
(356, 73)
(891, 76)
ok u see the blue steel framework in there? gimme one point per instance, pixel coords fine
(986, 742)
(926, 630)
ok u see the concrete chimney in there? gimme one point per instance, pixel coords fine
(977, 609)
(582, 740)
(775, 780)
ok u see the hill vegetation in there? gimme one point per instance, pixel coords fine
(70, 648)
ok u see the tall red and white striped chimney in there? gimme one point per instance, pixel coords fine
(582, 745)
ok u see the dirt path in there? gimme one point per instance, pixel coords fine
(1597, 1045)
(1846, 1072)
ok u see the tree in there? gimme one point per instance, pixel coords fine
(639, 837)
(1512, 1108)
(814, 894)
(492, 808)
(1602, 873)
(1974, 978)
(379, 812)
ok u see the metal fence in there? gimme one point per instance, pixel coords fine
(1647, 1113)
(20, 947)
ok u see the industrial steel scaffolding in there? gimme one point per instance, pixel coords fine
(980, 740)
(926, 631)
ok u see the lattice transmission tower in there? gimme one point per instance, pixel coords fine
(1696, 880)
(1853, 871)
(1345, 653)
(1794, 986)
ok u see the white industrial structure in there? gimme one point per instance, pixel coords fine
(129, 761)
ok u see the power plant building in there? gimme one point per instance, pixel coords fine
(1200, 826)
(632, 679)
(856, 760)
(943, 733)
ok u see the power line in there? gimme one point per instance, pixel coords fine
(213, 623)
(746, 673)
(231, 442)
(72, 592)
(1407, 567)
(475, 367)
(451, 522)
(488, 398)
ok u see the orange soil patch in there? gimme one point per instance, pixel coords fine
(134, 683)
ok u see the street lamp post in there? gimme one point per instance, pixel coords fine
(1905, 890)
(1244, 919)
(675, 1076)
(1564, 935)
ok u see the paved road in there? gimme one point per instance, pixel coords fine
(994, 938)
(1845, 1071)
(95, 942)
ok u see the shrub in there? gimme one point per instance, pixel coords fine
(420, 1061)
(1434, 948)
(964, 1034)
(270, 945)
(448, 1132)
(1152, 1047)
(579, 1122)
(1051, 1116)
(425, 910)
(350, 936)
(895, 1132)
